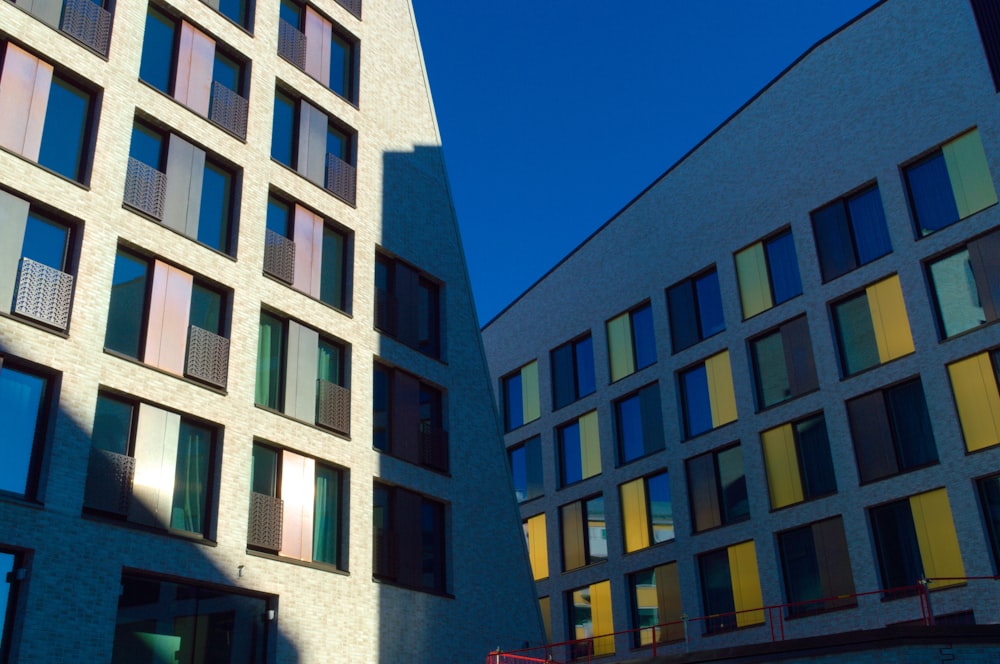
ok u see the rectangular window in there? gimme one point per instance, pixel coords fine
(584, 533)
(296, 506)
(408, 419)
(783, 366)
(237, 11)
(590, 620)
(631, 344)
(966, 285)
(579, 449)
(168, 319)
(768, 273)
(572, 372)
(708, 399)
(526, 469)
(537, 542)
(408, 305)
(410, 539)
(717, 488)
(48, 118)
(520, 396)
(798, 462)
(24, 406)
(639, 424)
(730, 587)
(647, 512)
(950, 184)
(319, 47)
(301, 373)
(974, 383)
(152, 466)
(192, 623)
(695, 307)
(10, 571)
(891, 431)
(850, 232)
(989, 498)
(914, 539)
(656, 600)
(872, 327)
(816, 566)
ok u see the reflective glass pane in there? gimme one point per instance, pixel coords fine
(911, 425)
(45, 241)
(65, 129)
(332, 271)
(684, 317)
(283, 130)
(642, 336)
(341, 67)
(206, 308)
(784, 267)
(629, 413)
(330, 367)
(570, 453)
(709, 304)
(955, 293)
(21, 399)
(563, 384)
(513, 406)
(236, 10)
(147, 146)
(326, 516)
(661, 513)
(858, 348)
(270, 361)
(770, 370)
(381, 417)
(801, 568)
(717, 590)
(868, 222)
(128, 302)
(191, 481)
(732, 485)
(112, 425)
(264, 471)
(931, 194)
(833, 240)
(158, 50)
(584, 354)
(896, 544)
(336, 143)
(228, 72)
(597, 536)
(814, 456)
(7, 564)
(697, 407)
(279, 215)
(216, 211)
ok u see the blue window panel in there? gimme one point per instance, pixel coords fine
(709, 304)
(697, 406)
(661, 513)
(784, 267)
(283, 130)
(279, 217)
(157, 51)
(932, 195)
(236, 10)
(630, 428)
(572, 461)
(128, 298)
(45, 241)
(291, 13)
(871, 236)
(216, 209)
(642, 336)
(21, 400)
(65, 130)
(147, 146)
(586, 382)
(513, 404)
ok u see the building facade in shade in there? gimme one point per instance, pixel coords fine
(245, 402)
(772, 377)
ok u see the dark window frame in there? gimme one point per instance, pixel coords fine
(716, 492)
(847, 233)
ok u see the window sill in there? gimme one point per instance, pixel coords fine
(329, 306)
(790, 398)
(63, 334)
(311, 425)
(76, 183)
(190, 110)
(428, 591)
(386, 334)
(654, 545)
(182, 535)
(902, 471)
(140, 213)
(326, 191)
(436, 471)
(691, 437)
(804, 501)
(189, 381)
(324, 567)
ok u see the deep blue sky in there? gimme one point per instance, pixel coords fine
(555, 113)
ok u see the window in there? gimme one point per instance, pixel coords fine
(966, 285)
(301, 373)
(639, 424)
(36, 263)
(319, 47)
(87, 21)
(850, 232)
(24, 405)
(647, 512)
(695, 307)
(184, 62)
(989, 496)
(914, 539)
(408, 306)
(182, 186)
(783, 365)
(872, 327)
(816, 566)
(168, 319)
(730, 587)
(589, 617)
(717, 488)
(408, 419)
(306, 139)
(950, 184)
(798, 462)
(656, 600)
(584, 533)
(409, 539)
(11, 572)
(237, 11)
(987, 18)
(306, 251)
(579, 449)
(152, 466)
(47, 117)
(296, 506)
(631, 344)
(974, 385)
(891, 431)
(526, 469)
(707, 397)
(572, 372)
(192, 623)
(768, 273)
(544, 606)
(520, 396)
(537, 542)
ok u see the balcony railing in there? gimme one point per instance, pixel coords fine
(291, 44)
(145, 188)
(207, 357)
(266, 516)
(333, 406)
(353, 6)
(279, 256)
(43, 293)
(228, 109)
(88, 23)
(341, 178)
(109, 481)
(433, 447)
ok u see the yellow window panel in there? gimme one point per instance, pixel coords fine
(978, 400)
(755, 288)
(969, 173)
(543, 606)
(538, 550)
(529, 392)
(590, 445)
(620, 347)
(600, 613)
(721, 396)
(781, 461)
(936, 537)
(889, 320)
(668, 595)
(746, 583)
(634, 515)
(574, 554)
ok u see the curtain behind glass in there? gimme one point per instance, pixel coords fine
(325, 513)
(191, 478)
(270, 352)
